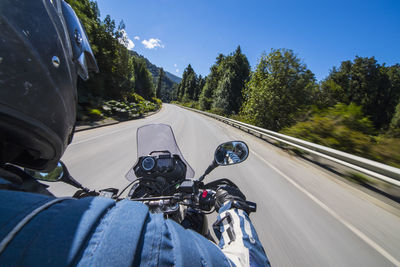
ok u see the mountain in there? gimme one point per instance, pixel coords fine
(167, 82)
(172, 77)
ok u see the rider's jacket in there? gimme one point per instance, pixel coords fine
(38, 230)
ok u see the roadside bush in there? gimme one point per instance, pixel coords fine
(327, 132)
(157, 101)
(95, 114)
(342, 127)
(218, 111)
(189, 104)
(387, 150)
(121, 110)
(133, 97)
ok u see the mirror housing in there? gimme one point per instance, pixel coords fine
(53, 176)
(60, 173)
(230, 153)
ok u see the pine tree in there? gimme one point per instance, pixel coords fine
(159, 82)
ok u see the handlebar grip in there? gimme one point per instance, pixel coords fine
(247, 206)
(252, 206)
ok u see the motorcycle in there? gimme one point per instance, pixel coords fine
(163, 180)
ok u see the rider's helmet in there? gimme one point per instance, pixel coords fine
(239, 150)
(43, 48)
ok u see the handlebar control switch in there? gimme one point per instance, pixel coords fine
(206, 199)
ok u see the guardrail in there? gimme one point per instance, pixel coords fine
(371, 168)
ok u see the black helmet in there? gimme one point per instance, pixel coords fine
(43, 48)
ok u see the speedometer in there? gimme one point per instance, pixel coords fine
(148, 163)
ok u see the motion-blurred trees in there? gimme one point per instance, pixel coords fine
(278, 89)
(342, 127)
(365, 82)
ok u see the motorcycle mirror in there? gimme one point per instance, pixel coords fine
(230, 153)
(53, 176)
(60, 173)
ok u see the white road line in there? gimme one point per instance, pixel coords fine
(352, 228)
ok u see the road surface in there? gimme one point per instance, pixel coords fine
(305, 217)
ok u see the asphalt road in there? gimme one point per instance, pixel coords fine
(305, 216)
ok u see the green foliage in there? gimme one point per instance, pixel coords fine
(188, 86)
(190, 104)
(168, 81)
(129, 110)
(143, 79)
(211, 82)
(341, 127)
(386, 150)
(95, 114)
(157, 101)
(133, 97)
(394, 129)
(360, 178)
(351, 116)
(344, 127)
(233, 74)
(278, 89)
(199, 88)
(159, 82)
(121, 72)
(364, 82)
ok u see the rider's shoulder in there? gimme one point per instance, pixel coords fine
(98, 231)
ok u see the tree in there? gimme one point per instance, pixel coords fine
(200, 84)
(234, 73)
(366, 83)
(211, 83)
(394, 129)
(143, 79)
(277, 90)
(188, 85)
(159, 83)
(121, 73)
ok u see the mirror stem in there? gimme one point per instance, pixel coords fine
(211, 167)
(70, 180)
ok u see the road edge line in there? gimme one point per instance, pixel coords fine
(348, 225)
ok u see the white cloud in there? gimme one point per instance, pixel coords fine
(124, 40)
(177, 70)
(175, 65)
(130, 45)
(152, 43)
(136, 38)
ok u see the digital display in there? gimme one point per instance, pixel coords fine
(164, 163)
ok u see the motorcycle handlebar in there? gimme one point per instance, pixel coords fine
(202, 195)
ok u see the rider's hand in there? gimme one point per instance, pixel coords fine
(226, 193)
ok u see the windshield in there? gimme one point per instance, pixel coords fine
(157, 137)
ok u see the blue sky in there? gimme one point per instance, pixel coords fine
(174, 33)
